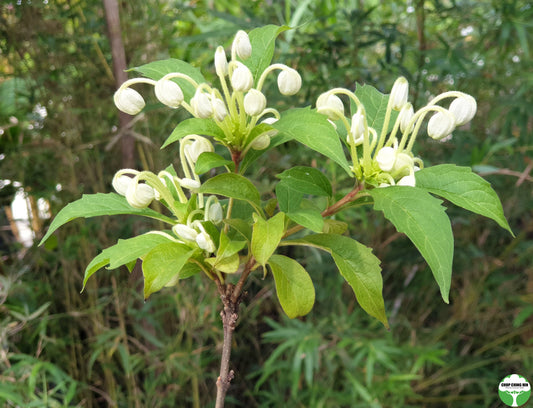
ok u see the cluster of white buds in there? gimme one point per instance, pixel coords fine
(138, 195)
(386, 159)
(193, 231)
(141, 187)
(236, 112)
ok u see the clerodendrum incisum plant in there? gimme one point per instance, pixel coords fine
(220, 227)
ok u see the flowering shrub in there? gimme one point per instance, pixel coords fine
(367, 134)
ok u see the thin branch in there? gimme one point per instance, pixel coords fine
(229, 316)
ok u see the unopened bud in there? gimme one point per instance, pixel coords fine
(403, 164)
(407, 181)
(219, 109)
(196, 148)
(205, 242)
(441, 125)
(399, 93)
(241, 45)
(357, 130)
(168, 92)
(330, 105)
(190, 184)
(261, 142)
(185, 232)
(406, 114)
(201, 105)
(289, 81)
(463, 109)
(129, 101)
(386, 158)
(221, 63)
(139, 195)
(269, 121)
(121, 184)
(254, 102)
(241, 78)
(215, 214)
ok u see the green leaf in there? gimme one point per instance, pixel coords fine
(423, 219)
(359, 267)
(288, 200)
(313, 130)
(307, 180)
(234, 186)
(375, 106)
(227, 247)
(210, 160)
(308, 218)
(263, 40)
(123, 252)
(93, 205)
(463, 188)
(334, 227)
(162, 264)
(229, 264)
(158, 69)
(266, 236)
(194, 126)
(241, 226)
(253, 155)
(294, 286)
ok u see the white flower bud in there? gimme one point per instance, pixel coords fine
(185, 232)
(407, 181)
(406, 114)
(289, 81)
(357, 130)
(241, 78)
(241, 45)
(330, 105)
(190, 184)
(221, 63)
(129, 101)
(139, 195)
(219, 109)
(121, 184)
(399, 93)
(261, 142)
(463, 108)
(215, 214)
(196, 148)
(205, 242)
(201, 105)
(254, 102)
(168, 92)
(440, 125)
(269, 121)
(386, 158)
(403, 164)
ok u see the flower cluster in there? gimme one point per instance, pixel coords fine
(235, 112)
(387, 159)
(141, 188)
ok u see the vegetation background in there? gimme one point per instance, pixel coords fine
(107, 347)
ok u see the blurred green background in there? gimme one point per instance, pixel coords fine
(107, 347)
